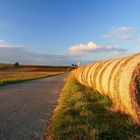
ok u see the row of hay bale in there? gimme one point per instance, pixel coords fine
(118, 78)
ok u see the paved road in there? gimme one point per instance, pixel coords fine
(25, 108)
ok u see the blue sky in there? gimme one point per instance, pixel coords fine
(51, 31)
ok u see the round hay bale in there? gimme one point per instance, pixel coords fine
(100, 75)
(89, 76)
(118, 78)
(92, 78)
(128, 86)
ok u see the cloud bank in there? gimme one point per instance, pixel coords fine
(10, 53)
(94, 48)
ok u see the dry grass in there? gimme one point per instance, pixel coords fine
(118, 78)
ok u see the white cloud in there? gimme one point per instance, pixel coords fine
(2, 41)
(107, 35)
(123, 30)
(4, 44)
(123, 33)
(82, 47)
(126, 37)
(94, 48)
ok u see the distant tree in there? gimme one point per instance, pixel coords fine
(16, 64)
(73, 65)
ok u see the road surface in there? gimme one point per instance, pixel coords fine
(25, 108)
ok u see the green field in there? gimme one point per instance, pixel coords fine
(83, 114)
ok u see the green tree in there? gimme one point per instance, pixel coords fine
(72, 65)
(16, 64)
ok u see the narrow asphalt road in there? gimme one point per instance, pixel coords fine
(25, 108)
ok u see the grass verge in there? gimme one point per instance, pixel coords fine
(22, 79)
(83, 114)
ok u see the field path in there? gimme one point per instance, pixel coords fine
(25, 108)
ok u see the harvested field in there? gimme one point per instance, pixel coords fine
(118, 78)
(33, 68)
(3, 66)
(15, 77)
(12, 74)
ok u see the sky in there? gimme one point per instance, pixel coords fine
(62, 32)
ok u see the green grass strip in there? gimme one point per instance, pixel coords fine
(83, 114)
